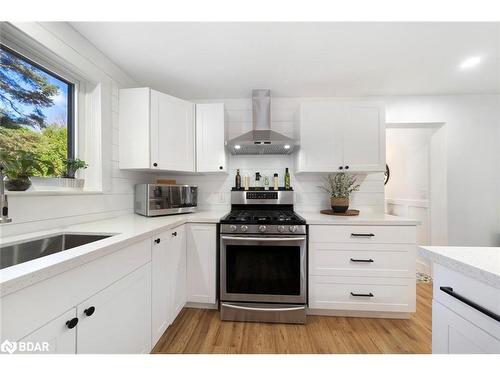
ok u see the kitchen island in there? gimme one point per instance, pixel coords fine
(466, 299)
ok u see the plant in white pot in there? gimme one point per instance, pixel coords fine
(73, 166)
(340, 186)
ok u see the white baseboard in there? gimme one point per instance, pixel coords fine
(359, 314)
(197, 305)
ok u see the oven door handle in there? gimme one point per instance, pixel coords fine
(263, 308)
(265, 239)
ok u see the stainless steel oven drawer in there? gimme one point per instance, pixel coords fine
(263, 312)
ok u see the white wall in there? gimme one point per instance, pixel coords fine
(34, 212)
(473, 160)
(407, 154)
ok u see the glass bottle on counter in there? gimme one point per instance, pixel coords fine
(275, 182)
(237, 182)
(266, 183)
(257, 180)
(287, 179)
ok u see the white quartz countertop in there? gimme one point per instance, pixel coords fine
(317, 218)
(127, 229)
(481, 263)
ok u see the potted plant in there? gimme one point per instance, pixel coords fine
(72, 166)
(65, 181)
(19, 166)
(340, 186)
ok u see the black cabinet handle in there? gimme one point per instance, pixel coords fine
(341, 167)
(174, 234)
(89, 311)
(346, 167)
(221, 167)
(485, 311)
(72, 323)
(157, 240)
(362, 260)
(155, 164)
(362, 235)
(362, 294)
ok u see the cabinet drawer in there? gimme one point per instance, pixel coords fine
(378, 260)
(362, 233)
(475, 291)
(362, 293)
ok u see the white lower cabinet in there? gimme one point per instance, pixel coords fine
(360, 268)
(55, 337)
(177, 270)
(103, 306)
(453, 334)
(460, 320)
(168, 279)
(201, 263)
(117, 320)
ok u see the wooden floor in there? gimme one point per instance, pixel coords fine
(201, 331)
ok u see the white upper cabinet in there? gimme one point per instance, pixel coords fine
(156, 131)
(211, 153)
(341, 135)
(320, 138)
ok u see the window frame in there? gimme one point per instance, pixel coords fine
(72, 86)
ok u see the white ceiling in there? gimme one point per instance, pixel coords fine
(227, 60)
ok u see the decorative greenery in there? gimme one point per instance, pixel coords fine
(49, 145)
(340, 185)
(72, 166)
(22, 164)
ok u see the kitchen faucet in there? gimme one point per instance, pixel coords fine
(4, 205)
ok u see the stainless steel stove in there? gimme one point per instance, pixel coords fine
(263, 259)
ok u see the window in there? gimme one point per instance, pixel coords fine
(36, 111)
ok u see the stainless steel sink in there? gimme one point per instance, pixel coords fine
(11, 255)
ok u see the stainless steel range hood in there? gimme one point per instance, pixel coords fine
(261, 140)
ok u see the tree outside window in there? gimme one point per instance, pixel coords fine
(36, 111)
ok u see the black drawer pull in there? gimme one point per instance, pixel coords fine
(362, 294)
(362, 235)
(491, 314)
(174, 234)
(157, 240)
(362, 260)
(72, 323)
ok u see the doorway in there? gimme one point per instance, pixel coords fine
(416, 184)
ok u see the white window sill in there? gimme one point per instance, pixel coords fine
(31, 192)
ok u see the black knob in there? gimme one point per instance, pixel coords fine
(174, 234)
(157, 240)
(89, 311)
(221, 167)
(341, 168)
(155, 164)
(72, 323)
(346, 167)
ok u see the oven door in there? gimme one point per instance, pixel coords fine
(263, 268)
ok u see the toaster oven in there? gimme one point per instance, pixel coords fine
(159, 199)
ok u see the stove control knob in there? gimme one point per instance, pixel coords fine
(244, 228)
(281, 228)
(262, 228)
(232, 228)
(292, 228)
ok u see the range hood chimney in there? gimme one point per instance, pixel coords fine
(261, 140)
